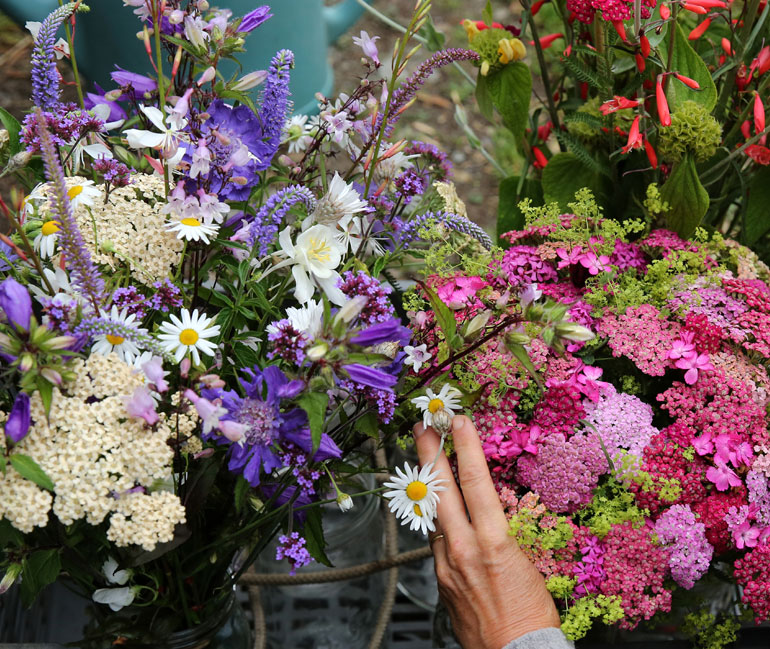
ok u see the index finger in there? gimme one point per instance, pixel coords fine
(487, 515)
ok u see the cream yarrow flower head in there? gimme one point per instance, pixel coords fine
(431, 403)
(414, 496)
(188, 334)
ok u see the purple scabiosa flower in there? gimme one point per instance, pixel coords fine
(265, 425)
(411, 230)
(19, 419)
(15, 304)
(378, 307)
(254, 19)
(382, 332)
(292, 548)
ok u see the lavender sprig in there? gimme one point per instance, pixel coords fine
(408, 89)
(455, 222)
(83, 272)
(104, 326)
(45, 78)
(264, 229)
(275, 104)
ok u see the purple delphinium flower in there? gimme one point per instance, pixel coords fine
(455, 222)
(378, 307)
(45, 76)
(84, 275)
(15, 304)
(265, 425)
(19, 419)
(254, 19)
(369, 376)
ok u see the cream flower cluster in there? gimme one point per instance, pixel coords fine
(95, 455)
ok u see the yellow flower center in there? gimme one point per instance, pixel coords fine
(49, 228)
(435, 405)
(319, 250)
(416, 490)
(115, 340)
(417, 510)
(191, 221)
(188, 337)
(72, 192)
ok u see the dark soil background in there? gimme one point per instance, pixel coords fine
(431, 118)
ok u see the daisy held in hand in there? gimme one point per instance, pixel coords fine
(431, 403)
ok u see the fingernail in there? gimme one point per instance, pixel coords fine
(418, 431)
(458, 422)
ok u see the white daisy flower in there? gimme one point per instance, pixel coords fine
(31, 202)
(192, 229)
(45, 242)
(430, 403)
(296, 133)
(83, 193)
(188, 334)
(416, 356)
(414, 496)
(105, 344)
(340, 200)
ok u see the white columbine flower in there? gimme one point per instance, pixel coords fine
(414, 496)
(430, 403)
(307, 319)
(105, 344)
(115, 598)
(167, 141)
(189, 334)
(340, 200)
(316, 253)
(416, 356)
(112, 574)
(45, 242)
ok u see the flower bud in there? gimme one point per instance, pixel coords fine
(203, 5)
(350, 310)
(52, 376)
(209, 74)
(16, 304)
(184, 367)
(176, 16)
(516, 338)
(26, 362)
(573, 331)
(19, 420)
(442, 421)
(477, 324)
(317, 352)
(18, 161)
(250, 80)
(344, 501)
(10, 577)
(60, 342)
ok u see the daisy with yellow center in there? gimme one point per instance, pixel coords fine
(83, 193)
(413, 496)
(125, 348)
(193, 229)
(431, 403)
(45, 242)
(189, 334)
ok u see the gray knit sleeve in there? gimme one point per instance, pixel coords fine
(541, 639)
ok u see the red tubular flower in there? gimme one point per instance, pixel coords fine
(690, 83)
(660, 99)
(567, 51)
(696, 33)
(620, 29)
(634, 137)
(544, 132)
(759, 154)
(617, 103)
(583, 90)
(665, 12)
(540, 160)
(709, 4)
(536, 6)
(759, 114)
(644, 45)
(547, 40)
(727, 47)
(651, 156)
(696, 9)
(763, 59)
(640, 64)
(746, 129)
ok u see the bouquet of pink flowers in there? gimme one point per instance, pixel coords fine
(617, 377)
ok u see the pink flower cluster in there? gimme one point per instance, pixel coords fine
(679, 530)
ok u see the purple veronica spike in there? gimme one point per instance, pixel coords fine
(96, 326)
(45, 78)
(411, 230)
(83, 272)
(263, 230)
(275, 105)
(409, 88)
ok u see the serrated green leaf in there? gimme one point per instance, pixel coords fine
(27, 468)
(584, 73)
(563, 176)
(434, 39)
(510, 89)
(685, 60)
(445, 319)
(368, 425)
(509, 216)
(38, 570)
(757, 218)
(314, 536)
(687, 198)
(12, 125)
(314, 404)
(575, 146)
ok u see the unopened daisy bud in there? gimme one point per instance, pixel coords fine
(442, 421)
(250, 80)
(662, 103)
(344, 501)
(285, 160)
(317, 352)
(209, 74)
(52, 376)
(573, 331)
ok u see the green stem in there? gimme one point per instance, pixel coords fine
(182, 595)
(736, 152)
(161, 84)
(31, 251)
(73, 59)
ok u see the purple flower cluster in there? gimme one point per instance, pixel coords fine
(522, 266)
(759, 495)
(383, 400)
(437, 162)
(288, 343)
(130, 299)
(411, 230)
(263, 230)
(292, 548)
(114, 173)
(65, 124)
(378, 307)
(45, 76)
(275, 105)
(167, 296)
(679, 530)
(410, 183)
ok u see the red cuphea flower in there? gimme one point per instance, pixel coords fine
(660, 98)
(651, 155)
(665, 12)
(644, 45)
(547, 40)
(696, 9)
(690, 83)
(759, 114)
(696, 33)
(540, 160)
(635, 140)
(759, 154)
(617, 103)
(640, 64)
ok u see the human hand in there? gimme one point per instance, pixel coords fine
(492, 591)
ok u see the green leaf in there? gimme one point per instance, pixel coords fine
(242, 487)
(757, 220)
(368, 425)
(510, 89)
(564, 175)
(314, 536)
(9, 535)
(29, 469)
(314, 404)
(685, 60)
(38, 570)
(12, 125)
(522, 356)
(434, 39)
(444, 318)
(486, 15)
(483, 98)
(509, 216)
(46, 393)
(687, 198)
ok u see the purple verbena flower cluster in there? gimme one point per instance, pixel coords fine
(292, 548)
(378, 307)
(65, 124)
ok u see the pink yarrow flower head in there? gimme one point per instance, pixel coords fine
(595, 264)
(366, 43)
(694, 362)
